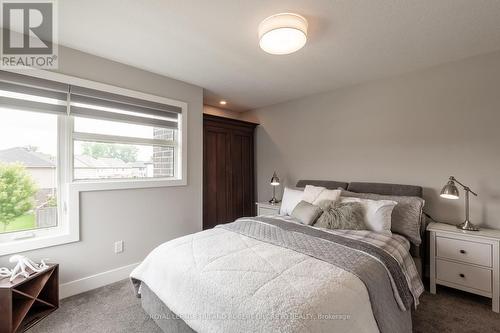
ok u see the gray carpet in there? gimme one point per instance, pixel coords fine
(109, 309)
(114, 308)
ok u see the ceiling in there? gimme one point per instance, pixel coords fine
(214, 44)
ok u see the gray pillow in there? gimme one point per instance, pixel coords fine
(406, 215)
(342, 215)
(306, 212)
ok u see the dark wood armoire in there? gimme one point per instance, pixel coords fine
(228, 170)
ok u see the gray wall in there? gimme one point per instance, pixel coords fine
(418, 128)
(143, 218)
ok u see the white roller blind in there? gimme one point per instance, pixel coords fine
(98, 104)
(32, 94)
(28, 93)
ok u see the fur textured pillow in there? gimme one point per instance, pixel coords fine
(342, 215)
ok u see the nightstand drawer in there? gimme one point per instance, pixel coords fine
(265, 208)
(267, 211)
(465, 251)
(464, 275)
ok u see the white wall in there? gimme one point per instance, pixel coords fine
(142, 218)
(418, 128)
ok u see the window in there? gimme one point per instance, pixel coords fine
(28, 171)
(101, 151)
(58, 139)
(123, 138)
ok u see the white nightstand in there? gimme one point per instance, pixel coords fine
(465, 260)
(265, 208)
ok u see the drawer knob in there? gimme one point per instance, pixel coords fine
(462, 251)
(461, 275)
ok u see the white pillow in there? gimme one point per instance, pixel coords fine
(377, 213)
(312, 192)
(291, 198)
(327, 195)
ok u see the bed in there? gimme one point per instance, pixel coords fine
(273, 274)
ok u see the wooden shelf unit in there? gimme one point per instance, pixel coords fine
(24, 302)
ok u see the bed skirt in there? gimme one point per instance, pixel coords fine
(168, 321)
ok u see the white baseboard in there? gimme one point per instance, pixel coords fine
(95, 281)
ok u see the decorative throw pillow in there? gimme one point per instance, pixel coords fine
(377, 213)
(406, 216)
(311, 192)
(342, 215)
(306, 213)
(327, 196)
(291, 197)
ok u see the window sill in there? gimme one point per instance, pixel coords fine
(37, 242)
(42, 238)
(120, 184)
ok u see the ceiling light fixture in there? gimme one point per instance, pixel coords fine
(222, 102)
(283, 33)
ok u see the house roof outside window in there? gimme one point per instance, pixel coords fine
(29, 158)
(33, 159)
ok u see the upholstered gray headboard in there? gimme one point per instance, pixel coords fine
(329, 184)
(386, 189)
(362, 187)
(417, 252)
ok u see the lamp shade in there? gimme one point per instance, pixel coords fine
(283, 33)
(450, 191)
(275, 181)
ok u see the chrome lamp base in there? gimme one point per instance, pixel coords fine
(274, 201)
(467, 225)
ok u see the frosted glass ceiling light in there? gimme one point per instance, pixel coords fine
(283, 33)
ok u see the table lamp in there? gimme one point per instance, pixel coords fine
(450, 191)
(275, 181)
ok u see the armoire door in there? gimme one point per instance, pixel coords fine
(216, 175)
(228, 177)
(242, 186)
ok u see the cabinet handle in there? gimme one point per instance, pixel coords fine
(462, 251)
(461, 275)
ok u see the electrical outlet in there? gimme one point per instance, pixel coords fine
(119, 246)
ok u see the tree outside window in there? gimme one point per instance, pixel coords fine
(17, 190)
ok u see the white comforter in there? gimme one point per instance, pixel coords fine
(221, 281)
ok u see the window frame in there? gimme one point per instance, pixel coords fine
(68, 227)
